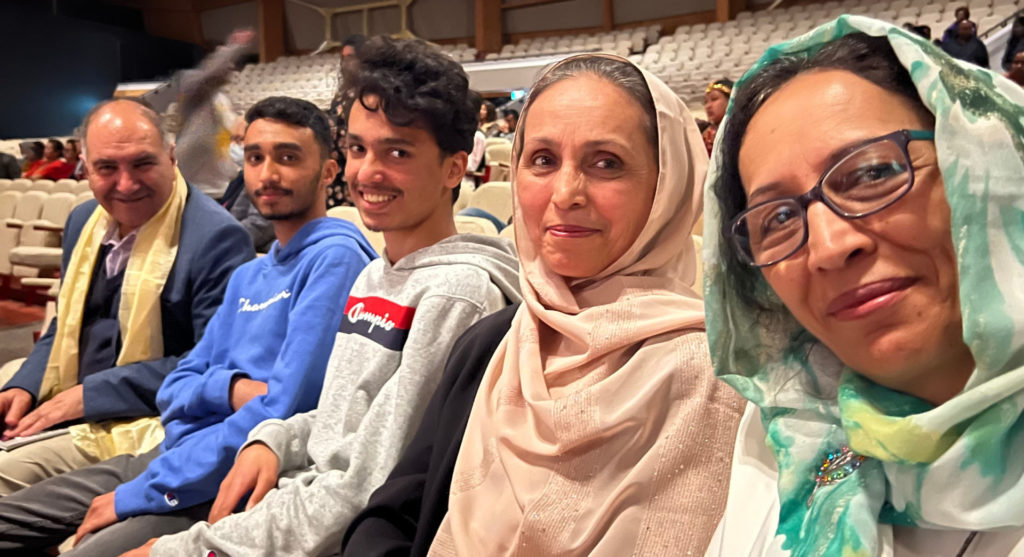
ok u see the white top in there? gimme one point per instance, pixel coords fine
(752, 513)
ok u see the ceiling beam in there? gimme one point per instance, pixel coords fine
(487, 15)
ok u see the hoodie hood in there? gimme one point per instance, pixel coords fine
(315, 231)
(496, 256)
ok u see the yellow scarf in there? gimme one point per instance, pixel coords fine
(152, 257)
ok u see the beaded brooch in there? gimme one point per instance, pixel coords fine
(836, 466)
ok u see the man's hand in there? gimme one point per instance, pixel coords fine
(242, 36)
(100, 515)
(255, 471)
(14, 403)
(61, 408)
(141, 551)
(243, 390)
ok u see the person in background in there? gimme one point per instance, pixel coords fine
(144, 268)
(236, 199)
(32, 155)
(207, 116)
(961, 14)
(9, 167)
(965, 45)
(263, 356)
(73, 155)
(1016, 73)
(350, 48)
(337, 192)
(863, 293)
(489, 119)
(509, 121)
(923, 30)
(716, 99)
(53, 166)
(1015, 43)
(477, 161)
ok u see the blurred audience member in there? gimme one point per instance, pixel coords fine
(73, 154)
(965, 45)
(236, 198)
(350, 47)
(207, 117)
(9, 167)
(32, 155)
(923, 30)
(476, 162)
(962, 14)
(1016, 73)
(53, 166)
(489, 119)
(509, 121)
(337, 191)
(1015, 44)
(716, 99)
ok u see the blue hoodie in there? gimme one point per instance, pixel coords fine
(277, 324)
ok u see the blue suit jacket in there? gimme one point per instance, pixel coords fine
(212, 244)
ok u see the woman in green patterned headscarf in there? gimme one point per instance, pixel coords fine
(865, 292)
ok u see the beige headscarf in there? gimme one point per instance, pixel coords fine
(599, 428)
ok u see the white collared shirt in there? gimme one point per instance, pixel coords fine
(117, 257)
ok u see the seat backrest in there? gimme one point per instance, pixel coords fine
(54, 211)
(499, 153)
(67, 182)
(4, 183)
(56, 208)
(30, 205)
(475, 225)
(42, 185)
(82, 197)
(509, 233)
(496, 141)
(351, 214)
(495, 198)
(21, 184)
(8, 203)
(82, 187)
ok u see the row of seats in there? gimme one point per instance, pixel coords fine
(314, 78)
(697, 54)
(460, 52)
(620, 42)
(31, 225)
(47, 186)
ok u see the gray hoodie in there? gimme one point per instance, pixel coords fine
(399, 325)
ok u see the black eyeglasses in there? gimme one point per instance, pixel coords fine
(871, 177)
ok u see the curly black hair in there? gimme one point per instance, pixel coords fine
(296, 112)
(414, 83)
(871, 58)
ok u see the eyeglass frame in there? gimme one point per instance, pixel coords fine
(901, 138)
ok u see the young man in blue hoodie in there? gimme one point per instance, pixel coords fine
(263, 356)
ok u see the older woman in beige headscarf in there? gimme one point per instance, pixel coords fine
(597, 427)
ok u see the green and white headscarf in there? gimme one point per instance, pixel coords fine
(959, 465)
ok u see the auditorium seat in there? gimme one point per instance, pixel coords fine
(465, 224)
(351, 214)
(30, 204)
(38, 248)
(495, 198)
